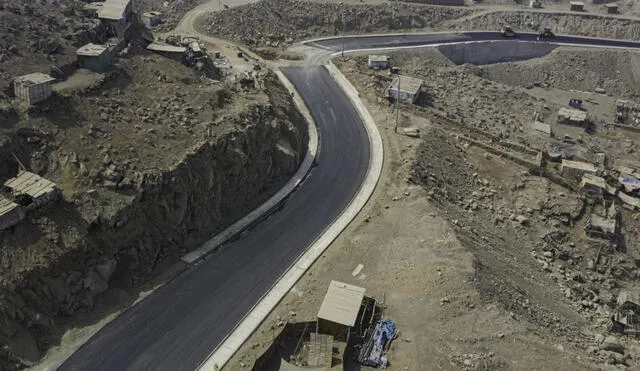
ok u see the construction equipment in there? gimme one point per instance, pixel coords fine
(546, 34)
(507, 31)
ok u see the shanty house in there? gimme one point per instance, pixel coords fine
(535, 4)
(593, 186)
(94, 57)
(33, 190)
(611, 8)
(542, 127)
(151, 18)
(10, 213)
(378, 62)
(339, 310)
(404, 88)
(576, 6)
(117, 14)
(576, 169)
(599, 227)
(33, 88)
(572, 116)
(167, 50)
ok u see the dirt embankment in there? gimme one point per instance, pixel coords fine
(615, 71)
(59, 261)
(572, 24)
(266, 24)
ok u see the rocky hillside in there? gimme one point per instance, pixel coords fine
(60, 259)
(267, 24)
(563, 23)
(616, 72)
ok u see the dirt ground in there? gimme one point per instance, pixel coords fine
(454, 241)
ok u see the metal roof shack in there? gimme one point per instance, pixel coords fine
(576, 6)
(339, 310)
(41, 191)
(592, 185)
(341, 303)
(404, 88)
(378, 61)
(542, 127)
(572, 116)
(115, 10)
(576, 168)
(94, 57)
(10, 213)
(611, 8)
(151, 18)
(33, 88)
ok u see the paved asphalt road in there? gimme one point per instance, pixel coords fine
(177, 327)
(390, 41)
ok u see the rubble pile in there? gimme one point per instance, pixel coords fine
(562, 23)
(267, 24)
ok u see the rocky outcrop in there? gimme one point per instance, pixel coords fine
(267, 24)
(84, 246)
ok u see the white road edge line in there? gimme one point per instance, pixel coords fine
(230, 345)
(289, 187)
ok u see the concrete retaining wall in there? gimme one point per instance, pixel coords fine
(495, 51)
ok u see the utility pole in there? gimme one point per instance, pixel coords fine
(343, 26)
(395, 130)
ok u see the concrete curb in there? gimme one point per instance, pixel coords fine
(275, 200)
(230, 345)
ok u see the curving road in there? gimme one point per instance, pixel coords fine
(421, 39)
(176, 327)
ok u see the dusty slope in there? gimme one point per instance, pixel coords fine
(263, 23)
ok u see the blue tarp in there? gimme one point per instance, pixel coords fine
(385, 331)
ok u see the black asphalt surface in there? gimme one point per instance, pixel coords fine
(390, 41)
(178, 326)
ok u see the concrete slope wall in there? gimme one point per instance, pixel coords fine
(495, 51)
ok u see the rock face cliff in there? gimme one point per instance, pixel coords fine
(57, 262)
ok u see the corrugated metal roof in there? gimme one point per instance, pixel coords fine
(113, 9)
(91, 50)
(160, 47)
(572, 114)
(407, 84)
(341, 303)
(34, 78)
(378, 58)
(542, 127)
(30, 184)
(7, 205)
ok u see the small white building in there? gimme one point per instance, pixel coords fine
(378, 62)
(33, 88)
(535, 4)
(576, 6)
(404, 88)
